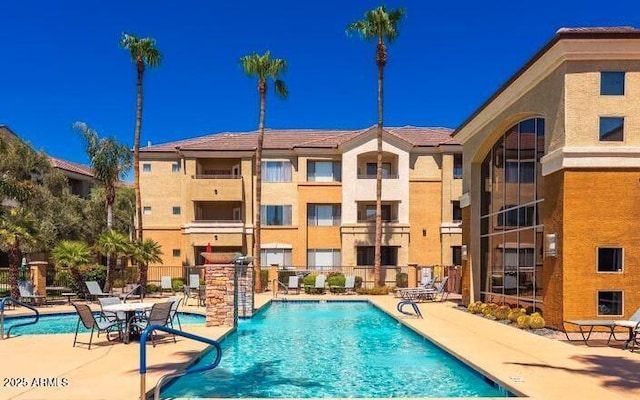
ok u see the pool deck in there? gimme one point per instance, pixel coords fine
(532, 365)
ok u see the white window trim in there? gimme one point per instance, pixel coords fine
(145, 209)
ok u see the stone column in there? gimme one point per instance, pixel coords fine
(220, 295)
(412, 275)
(39, 275)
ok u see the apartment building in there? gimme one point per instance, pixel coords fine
(551, 181)
(318, 197)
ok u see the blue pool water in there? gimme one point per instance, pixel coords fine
(330, 350)
(66, 323)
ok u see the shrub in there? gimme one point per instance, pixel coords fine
(475, 307)
(94, 272)
(63, 278)
(536, 321)
(283, 276)
(515, 313)
(524, 321)
(177, 284)
(309, 280)
(381, 290)
(358, 282)
(151, 288)
(336, 280)
(502, 312)
(118, 283)
(489, 310)
(402, 280)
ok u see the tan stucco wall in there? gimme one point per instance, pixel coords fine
(425, 210)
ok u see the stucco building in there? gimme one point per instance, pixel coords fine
(318, 197)
(552, 181)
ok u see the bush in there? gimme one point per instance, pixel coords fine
(489, 310)
(524, 321)
(502, 312)
(177, 284)
(118, 283)
(336, 280)
(374, 291)
(358, 282)
(63, 278)
(151, 288)
(516, 313)
(475, 308)
(536, 321)
(94, 272)
(309, 280)
(402, 280)
(264, 279)
(283, 276)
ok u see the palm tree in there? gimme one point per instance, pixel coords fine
(72, 254)
(379, 25)
(146, 252)
(115, 245)
(110, 162)
(262, 67)
(143, 53)
(18, 234)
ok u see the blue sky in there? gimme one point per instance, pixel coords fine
(61, 62)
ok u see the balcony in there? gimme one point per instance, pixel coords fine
(214, 226)
(216, 187)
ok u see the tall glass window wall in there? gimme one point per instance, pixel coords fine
(511, 230)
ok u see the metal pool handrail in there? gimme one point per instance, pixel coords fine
(18, 302)
(143, 358)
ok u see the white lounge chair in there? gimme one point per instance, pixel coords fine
(633, 324)
(350, 285)
(165, 284)
(95, 291)
(27, 293)
(294, 284)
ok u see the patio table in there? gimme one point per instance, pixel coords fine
(129, 309)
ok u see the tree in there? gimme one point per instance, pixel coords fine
(143, 52)
(18, 235)
(115, 245)
(110, 162)
(145, 252)
(381, 26)
(262, 67)
(72, 254)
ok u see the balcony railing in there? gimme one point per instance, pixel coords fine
(373, 221)
(207, 176)
(217, 221)
(387, 176)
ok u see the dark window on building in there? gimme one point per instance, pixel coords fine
(612, 83)
(276, 215)
(457, 211)
(176, 252)
(610, 302)
(388, 255)
(457, 166)
(611, 129)
(175, 167)
(176, 210)
(146, 167)
(456, 255)
(610, 259)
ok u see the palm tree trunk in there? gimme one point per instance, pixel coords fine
(77, 277)
(14, 272)
(143, 269)
(136, 152)
(262, 88)
(111, 271)
(377, 261)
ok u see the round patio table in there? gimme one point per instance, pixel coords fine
(129, 309)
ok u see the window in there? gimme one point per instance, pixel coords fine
(146, 167)
(319, 259)
(457, 166)
(276, 215)
(370, 213)
(279, 256)
(388, 255)
(456, 255)
(373, 167)
(610, 302)
(175, 167)
(612, 83)
(276, 171)
(457, 211)
(324, 171)
(523, 171)
(175, 210)
(146, 210)
(323, 214)
(176, 252)
(610, 259)
(611, 129)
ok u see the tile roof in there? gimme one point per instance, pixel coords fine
(70, 166)
(298, 138)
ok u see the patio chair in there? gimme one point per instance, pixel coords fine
(320, 283)
(350, 285)
(95, 291)
(165, 284)
(160, 314)
(435, 294)
(134, 291)
(294, 284)
(89, 320)
(174, 315)
(407, 293)
(111, 316)
(27, 293)
(633, 324)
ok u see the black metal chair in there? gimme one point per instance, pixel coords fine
(89, 320)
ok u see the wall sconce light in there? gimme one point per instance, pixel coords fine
(424, 232)
(463, 252)
(551, 244)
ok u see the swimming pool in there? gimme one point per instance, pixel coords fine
(66, 323)
(330, 349)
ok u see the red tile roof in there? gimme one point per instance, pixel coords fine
(70, 166)
(297, 138)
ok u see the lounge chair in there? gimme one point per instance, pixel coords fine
(439, 293)
(165, 284)
(407, 293)
(633, 324)
(320, 283)
(89, 320)
(294, 284)
(27, 293)
(173, 315)
(160, 314)
(350, 285)
(95, 291)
